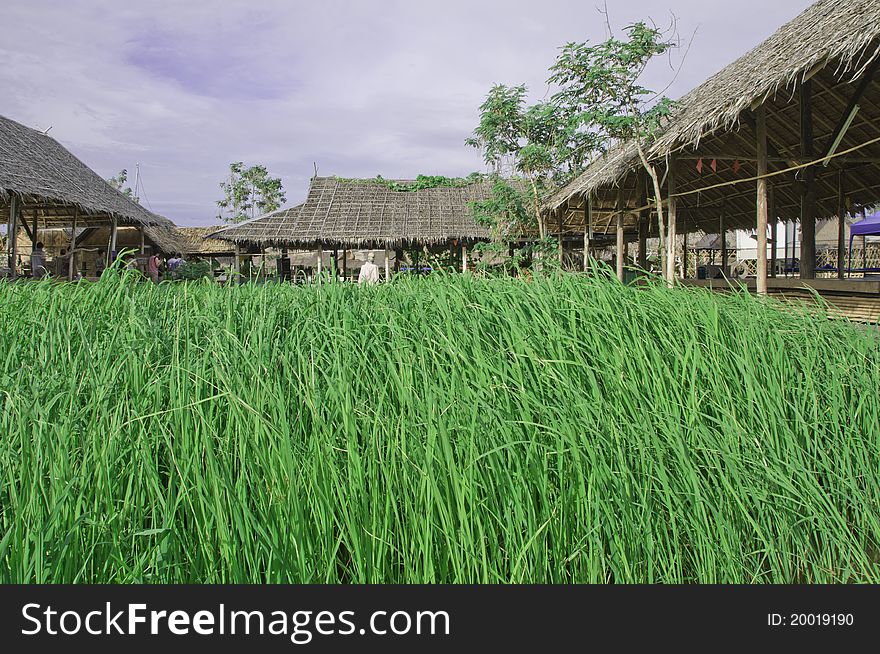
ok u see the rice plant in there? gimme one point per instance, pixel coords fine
(565, 429)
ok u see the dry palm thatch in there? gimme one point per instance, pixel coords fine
(197, 241)
(835, 44)
(48, 179)
(367, 213)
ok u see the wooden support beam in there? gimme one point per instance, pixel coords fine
(643, 221)
(344, 264)
(560, 238)
(808, 195)
(388, 265)
(620, 240)
(722, 232)
(12, 236)
(113, 234)
(236, 265)
(588, 229)
(684, 246)
(762, 207)
(849, 113)
(672, 214)
(71, 262)
(774, 229)
(143, 245)
(34, 233)
(841, 226)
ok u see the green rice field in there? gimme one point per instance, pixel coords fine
(451, 429)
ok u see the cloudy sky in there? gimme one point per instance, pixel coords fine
(361, 88)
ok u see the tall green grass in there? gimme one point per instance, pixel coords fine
(451, 429)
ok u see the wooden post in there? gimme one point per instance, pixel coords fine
(761, 132)
(34, 229)
(387, 266)
(335, 271)
(774, 228)
(143, 246)
(12, 236)
(236, 265)
(621, 254)
(344, 263)
(841, 225)
(561, 212)
(722, 228)
(684, 246)
(643, 223)
(71, 263)
(111, 256)
(319, 263)
(588, 229)
(808, 194)
(464, 261)
(672, 210)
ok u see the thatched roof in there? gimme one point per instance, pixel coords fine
(362, 213)
(196, 241)
(833, 44)
(47, 177)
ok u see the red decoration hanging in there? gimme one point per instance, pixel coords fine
(736, 167)
(700, 166)
(714, 165)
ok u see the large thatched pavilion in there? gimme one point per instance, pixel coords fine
(789, 130)
(43, 186)
(343, 215)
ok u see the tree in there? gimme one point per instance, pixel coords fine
(539, 143)
(118, 182)
(600, 84)
(248, 193)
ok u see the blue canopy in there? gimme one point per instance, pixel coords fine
(870, 226)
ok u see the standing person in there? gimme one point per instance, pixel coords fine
(38, 262)
(369, 271)
(153, 267)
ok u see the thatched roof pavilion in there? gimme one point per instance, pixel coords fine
(367, 213)
(46, 178)
(811, 89)
(43, 185)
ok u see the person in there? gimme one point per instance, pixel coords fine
(99, 264)
(153, 267)
(369, 271)
(38, 262)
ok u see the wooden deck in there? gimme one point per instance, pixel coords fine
(856, 299)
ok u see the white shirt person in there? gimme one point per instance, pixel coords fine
(369, 271)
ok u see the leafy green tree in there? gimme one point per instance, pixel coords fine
(599, 87)
(248, 193)
(118, 182)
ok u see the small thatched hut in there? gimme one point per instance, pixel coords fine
(43, 185)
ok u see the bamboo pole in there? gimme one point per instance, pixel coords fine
(12, 236)
(643, 222)
(841, 226)
(236, 265)
(761, 132)
(684, 246)
(808, 195)
(71, 263)
(561, 252)
(387, 266)
(621, 254)
(588, 229)
(319, 263)
(672, 212)
(113, 234)
(722, 228)
(774, 227)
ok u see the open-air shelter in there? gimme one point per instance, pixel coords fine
(790, 130)
(345, 215)
(44, 186)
